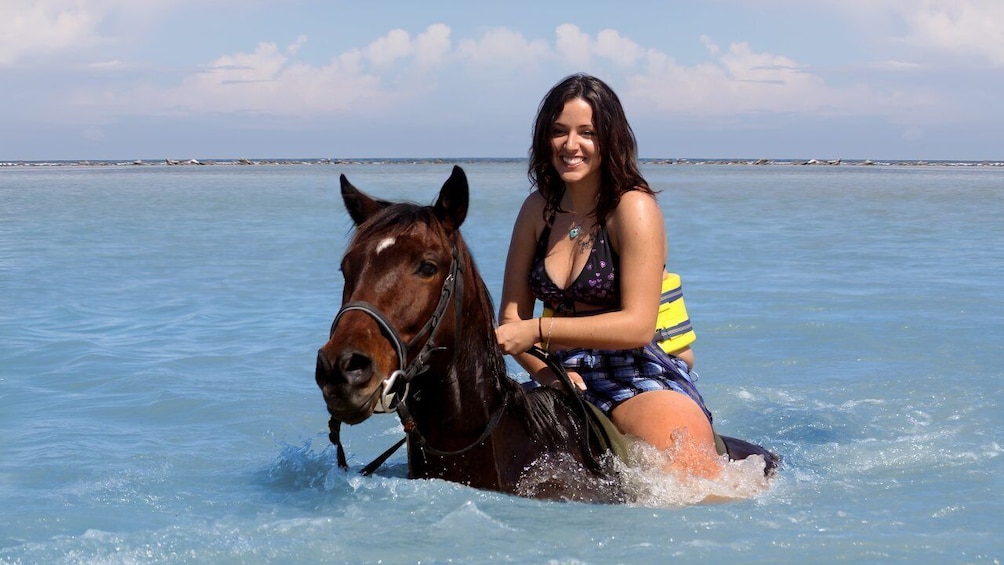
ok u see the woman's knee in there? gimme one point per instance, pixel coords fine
(663, 418)
(675, 425)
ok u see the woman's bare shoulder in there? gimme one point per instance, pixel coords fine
(534, 201)
(532, 210)
(633, 198)
(635, 206)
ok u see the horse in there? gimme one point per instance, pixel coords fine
(416, 335)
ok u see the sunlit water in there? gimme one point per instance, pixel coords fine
(158, 327)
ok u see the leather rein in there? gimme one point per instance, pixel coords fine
(395, 391)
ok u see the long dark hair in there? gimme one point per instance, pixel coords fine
(614, 136)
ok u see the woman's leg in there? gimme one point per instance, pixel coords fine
(672, 422)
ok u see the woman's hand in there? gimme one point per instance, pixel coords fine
(577, 380)
(517, 337)
(546, 377)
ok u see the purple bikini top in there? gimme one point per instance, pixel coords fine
(596, 284)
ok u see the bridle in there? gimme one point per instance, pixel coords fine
(389, 391)
(394, 391)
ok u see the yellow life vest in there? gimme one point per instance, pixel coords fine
(673, 330)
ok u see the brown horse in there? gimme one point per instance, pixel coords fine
(415, 334)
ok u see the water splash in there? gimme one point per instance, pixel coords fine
(300, 468)
(648, 484)
(560, 476)
(643, 480)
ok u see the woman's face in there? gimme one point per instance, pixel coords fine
(574, 151)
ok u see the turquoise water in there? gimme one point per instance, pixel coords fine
(158, 327)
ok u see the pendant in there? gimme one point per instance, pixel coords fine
(574, 232)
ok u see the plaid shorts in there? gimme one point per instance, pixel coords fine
(613, 376)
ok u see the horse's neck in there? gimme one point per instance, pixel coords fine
(465, 389)
(468, 380)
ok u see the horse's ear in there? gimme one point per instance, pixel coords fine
(451, 206)
(360, 205)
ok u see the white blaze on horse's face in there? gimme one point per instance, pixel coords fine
(384, 244)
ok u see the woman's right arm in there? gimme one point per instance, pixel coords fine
(518, 330)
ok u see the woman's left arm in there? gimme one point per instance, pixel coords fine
(638, 233)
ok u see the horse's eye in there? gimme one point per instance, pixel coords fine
(427, 269)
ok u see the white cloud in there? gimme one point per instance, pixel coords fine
(427, 49)
(960, 27)
(573, 45)
(36, 29)
(894, 65)
(737, 80)
(501, 47)
(621, 50)
(432, 45)
(741, 63)
(577, 48)
(967, 31)
(294, 47)
(264, 81)
(741, 81)
(710, 45)
(271, 81)
(28, 28)
(389, 48)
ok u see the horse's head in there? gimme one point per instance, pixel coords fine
(400, 269)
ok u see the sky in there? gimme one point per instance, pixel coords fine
(258, 79)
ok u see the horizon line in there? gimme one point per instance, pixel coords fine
(244, 161)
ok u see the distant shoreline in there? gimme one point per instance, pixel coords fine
(450, 161)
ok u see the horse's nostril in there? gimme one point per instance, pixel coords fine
(322, 362)
(322, 372)
(346, 368)
(354, 364)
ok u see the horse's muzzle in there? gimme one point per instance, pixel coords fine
(349, 385)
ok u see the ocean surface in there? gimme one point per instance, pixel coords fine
(158, 330)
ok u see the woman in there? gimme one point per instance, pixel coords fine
(590, 243)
